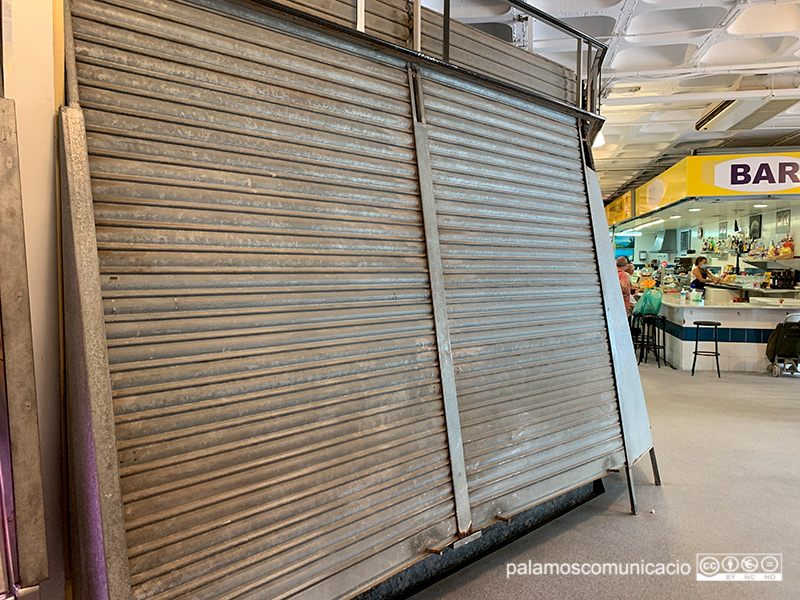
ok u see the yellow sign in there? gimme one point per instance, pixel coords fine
(726, 175)
(743, 174)
(665, 189)
(620, 209)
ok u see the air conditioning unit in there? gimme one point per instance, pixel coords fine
(739, 115)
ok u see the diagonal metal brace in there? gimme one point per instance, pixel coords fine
(446, 367)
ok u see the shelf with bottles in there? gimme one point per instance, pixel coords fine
(715, 247)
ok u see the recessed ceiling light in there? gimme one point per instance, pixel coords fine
(759, 206)
(675, 217)
(695, 209)
(643, 225)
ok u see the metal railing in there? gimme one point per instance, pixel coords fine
(589, 56)
(589, 52)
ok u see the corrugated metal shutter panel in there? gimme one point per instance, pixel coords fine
(386, 19)
(273, 363)
(533, 368)
(486, 54)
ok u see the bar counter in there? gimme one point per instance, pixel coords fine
(743, 332)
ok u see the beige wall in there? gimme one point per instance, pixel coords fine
(31, 80)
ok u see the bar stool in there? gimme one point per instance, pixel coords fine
(715, 353)
(649, 340)
(635, 324)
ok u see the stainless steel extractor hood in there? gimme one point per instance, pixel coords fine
(666, 241)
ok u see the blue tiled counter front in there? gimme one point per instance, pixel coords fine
(742, 335)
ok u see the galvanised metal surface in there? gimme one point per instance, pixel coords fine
(17, 361)
(278, 407)
(386, 19)
(268, 222)
(99, 557)
(533, 368)
(446, 368)
(390, 20)
(633, 410)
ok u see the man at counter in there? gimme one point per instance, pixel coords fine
(701, 274)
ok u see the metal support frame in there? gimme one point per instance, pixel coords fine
(446, 31)
(27, 593)
(579, 73)
(417, 26)
(5, 31)
(71, 77)
(5, 584)
(586, 99)
(23, 415)
(95, 496)
(343, 32)
(446, 367)
(530, 22)
(590, 83)
(636, 436)
(595, 53)
(654, 464)
(361, 15)
(100, 550)
(631, 490)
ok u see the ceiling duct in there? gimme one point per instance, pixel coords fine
(739, 115)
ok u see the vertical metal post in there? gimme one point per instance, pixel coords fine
(20, 381)
(631, 490)
(69, 58)
(417, 26)
(579, 75)
(361, 20)
(654, 464)
(593, 106)
(5, 43)
(589, 81)
(4, 575)
(98, 529)
(446, 32)
(446, 367)
(531, 24)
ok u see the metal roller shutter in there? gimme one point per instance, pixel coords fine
(347, 320)
(486, 54)
(534, 377)
(276, 391)
(386, 19)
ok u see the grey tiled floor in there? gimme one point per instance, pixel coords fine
(729, 453)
